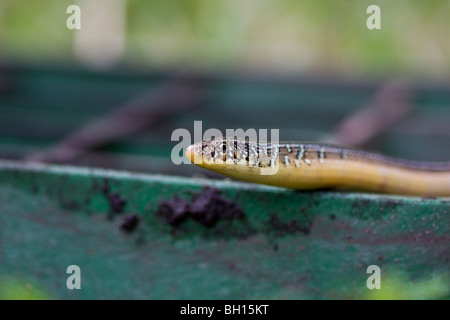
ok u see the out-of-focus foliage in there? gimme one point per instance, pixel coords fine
(396, 286)
(287, 35)
(19, 289)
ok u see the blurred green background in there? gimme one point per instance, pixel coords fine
(309, 38)
(290, 36)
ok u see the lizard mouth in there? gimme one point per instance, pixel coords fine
(194, 154)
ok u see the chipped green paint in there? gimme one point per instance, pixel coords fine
(291, 245)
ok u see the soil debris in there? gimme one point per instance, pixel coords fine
(290, 227)
(116, 202)
(130, 222)
(207, 208)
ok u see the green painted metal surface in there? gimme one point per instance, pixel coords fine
(291, 245)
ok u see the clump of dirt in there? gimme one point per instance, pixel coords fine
(116, 202)
(174, 210)
(129, 222)
(207, 208)
(289, 227)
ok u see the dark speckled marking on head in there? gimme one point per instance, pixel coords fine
(288, 148)
(321, 154)
(237, 151)
(301, 152)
